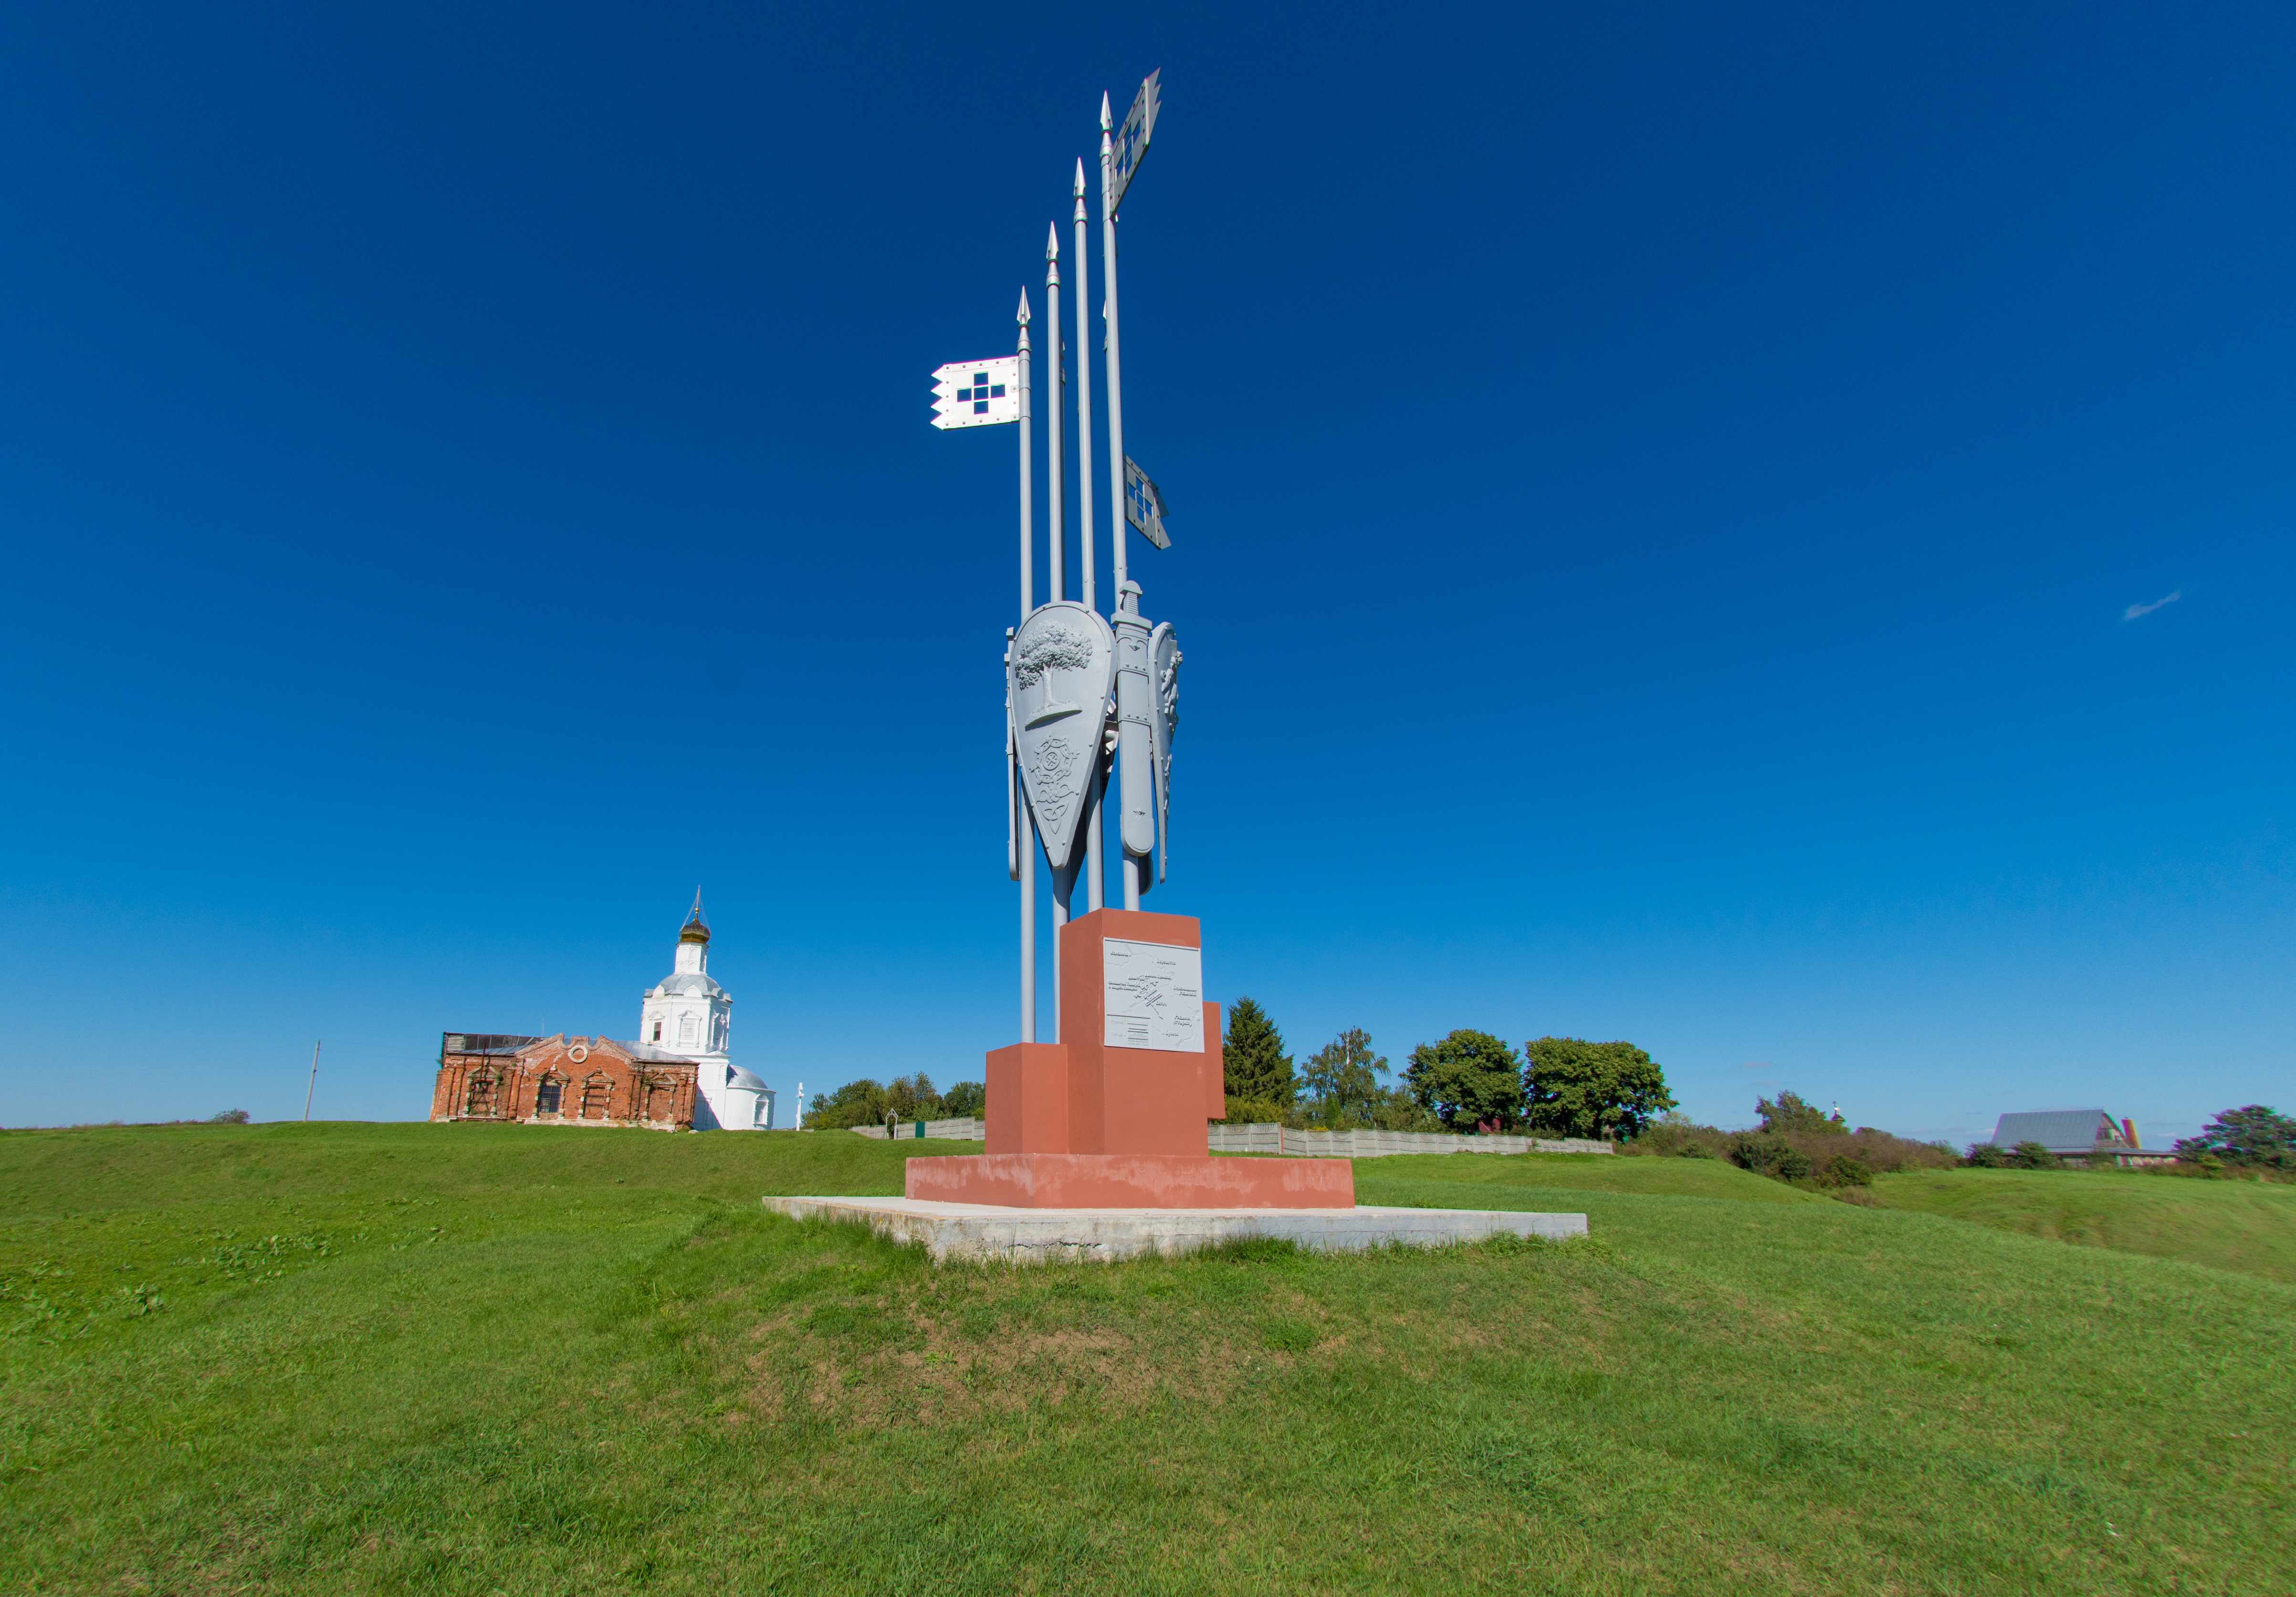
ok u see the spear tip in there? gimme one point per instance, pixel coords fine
(1106, 123)
(1021, 315)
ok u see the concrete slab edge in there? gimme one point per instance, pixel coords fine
(965, 1231)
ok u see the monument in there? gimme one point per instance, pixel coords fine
(1096, 1143)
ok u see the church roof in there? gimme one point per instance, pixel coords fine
(736, 1077)
(697, 982)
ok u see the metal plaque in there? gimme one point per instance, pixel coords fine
(1059, 672)
(1154, 996)
(1131, 144)
(1143, 505)
(977, 393)
(1164, 724)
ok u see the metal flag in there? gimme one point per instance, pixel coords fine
(1132, 138)
(1164, 723)
(1059, 671)
(977, 393)
(1143, 506)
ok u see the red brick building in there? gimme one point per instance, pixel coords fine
(561, 1081)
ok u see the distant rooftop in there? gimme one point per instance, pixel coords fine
(2059, 1130)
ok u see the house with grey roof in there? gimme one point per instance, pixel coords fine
(2088, 1134)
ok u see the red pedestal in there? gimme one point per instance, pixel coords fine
(1082, 1124)
(1133, 1181)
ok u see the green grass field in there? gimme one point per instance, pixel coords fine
(2245, 1225)
(502, 1359)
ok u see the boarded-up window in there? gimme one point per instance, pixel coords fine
(597, 1093)
(660, 1095)
(546, 1095)
(478, 1096)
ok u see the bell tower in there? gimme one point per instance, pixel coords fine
(687, 1015)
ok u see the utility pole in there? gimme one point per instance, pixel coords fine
(314, 1085)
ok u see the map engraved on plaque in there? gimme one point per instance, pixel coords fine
(1154, 996)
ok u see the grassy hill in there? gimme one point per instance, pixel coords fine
(2245, 1225)
(477, 1359)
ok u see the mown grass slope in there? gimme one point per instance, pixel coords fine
(2245, 1225)
(473, 1359)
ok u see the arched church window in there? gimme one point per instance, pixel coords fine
(546, 1095)
(598, 1094)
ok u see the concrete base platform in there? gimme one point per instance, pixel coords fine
(982, 1230)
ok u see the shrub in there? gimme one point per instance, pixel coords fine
(1842, 1171)
(2032, 1156)
(229, 1116)
(1695, 1150)
(1254, 1112)
(1985, 1156)
(1767, 1155)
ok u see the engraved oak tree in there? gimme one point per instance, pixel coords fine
(1056, 648)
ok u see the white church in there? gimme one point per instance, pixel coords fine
(686, 1018)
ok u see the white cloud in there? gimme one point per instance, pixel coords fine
(2135, 610)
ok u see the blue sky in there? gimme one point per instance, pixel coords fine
(1657, 497)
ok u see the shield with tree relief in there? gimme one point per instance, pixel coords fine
(1059, 668)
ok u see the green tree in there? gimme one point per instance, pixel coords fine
(2253, 1135)
(912, 1098)
(861, 1102)
(1789, 1116)
(1581, 1089)
(1341, 1079)
(1467, 1078)
(1252, 1057)
(967, 1099)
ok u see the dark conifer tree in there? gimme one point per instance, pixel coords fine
(1253, 1058)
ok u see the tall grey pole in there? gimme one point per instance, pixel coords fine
(1055, 510)
(1115, 432)
(314, 1085)
(1094, 875)
(1024, 856)
(1084, 395)
(1028, 520)
(1115, 354)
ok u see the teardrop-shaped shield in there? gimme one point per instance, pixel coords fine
(1164, 724)
(1060, 667)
